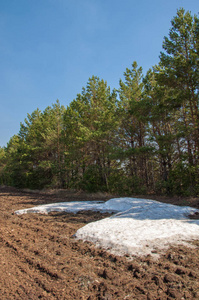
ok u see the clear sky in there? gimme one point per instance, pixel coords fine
(50, 48)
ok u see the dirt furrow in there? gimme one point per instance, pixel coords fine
(17, 276)
(39, 259)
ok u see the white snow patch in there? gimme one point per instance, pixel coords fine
(73, 207)
(139, 227)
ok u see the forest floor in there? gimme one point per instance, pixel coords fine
(40, 259)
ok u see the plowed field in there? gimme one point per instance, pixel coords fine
(40, 259)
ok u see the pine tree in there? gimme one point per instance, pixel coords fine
(41, 135)
(180, 71)
(89, 122)
(163, 135)
(133, 126)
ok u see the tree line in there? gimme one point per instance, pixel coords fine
(141, 138)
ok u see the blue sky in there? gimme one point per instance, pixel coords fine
(50, 48)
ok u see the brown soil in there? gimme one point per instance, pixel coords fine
(40, 259)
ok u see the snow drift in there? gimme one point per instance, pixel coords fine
(138, 227)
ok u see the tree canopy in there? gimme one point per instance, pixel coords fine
(141, 138)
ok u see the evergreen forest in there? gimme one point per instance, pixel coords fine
(141, 138)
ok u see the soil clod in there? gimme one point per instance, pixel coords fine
(40, 259)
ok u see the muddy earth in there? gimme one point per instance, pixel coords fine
(40, 259)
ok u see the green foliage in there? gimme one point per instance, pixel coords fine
(2, 164)
(179, 72)
(92, 180)
(90, 123)
(142, 138)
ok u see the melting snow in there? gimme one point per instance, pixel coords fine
(138, 227)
